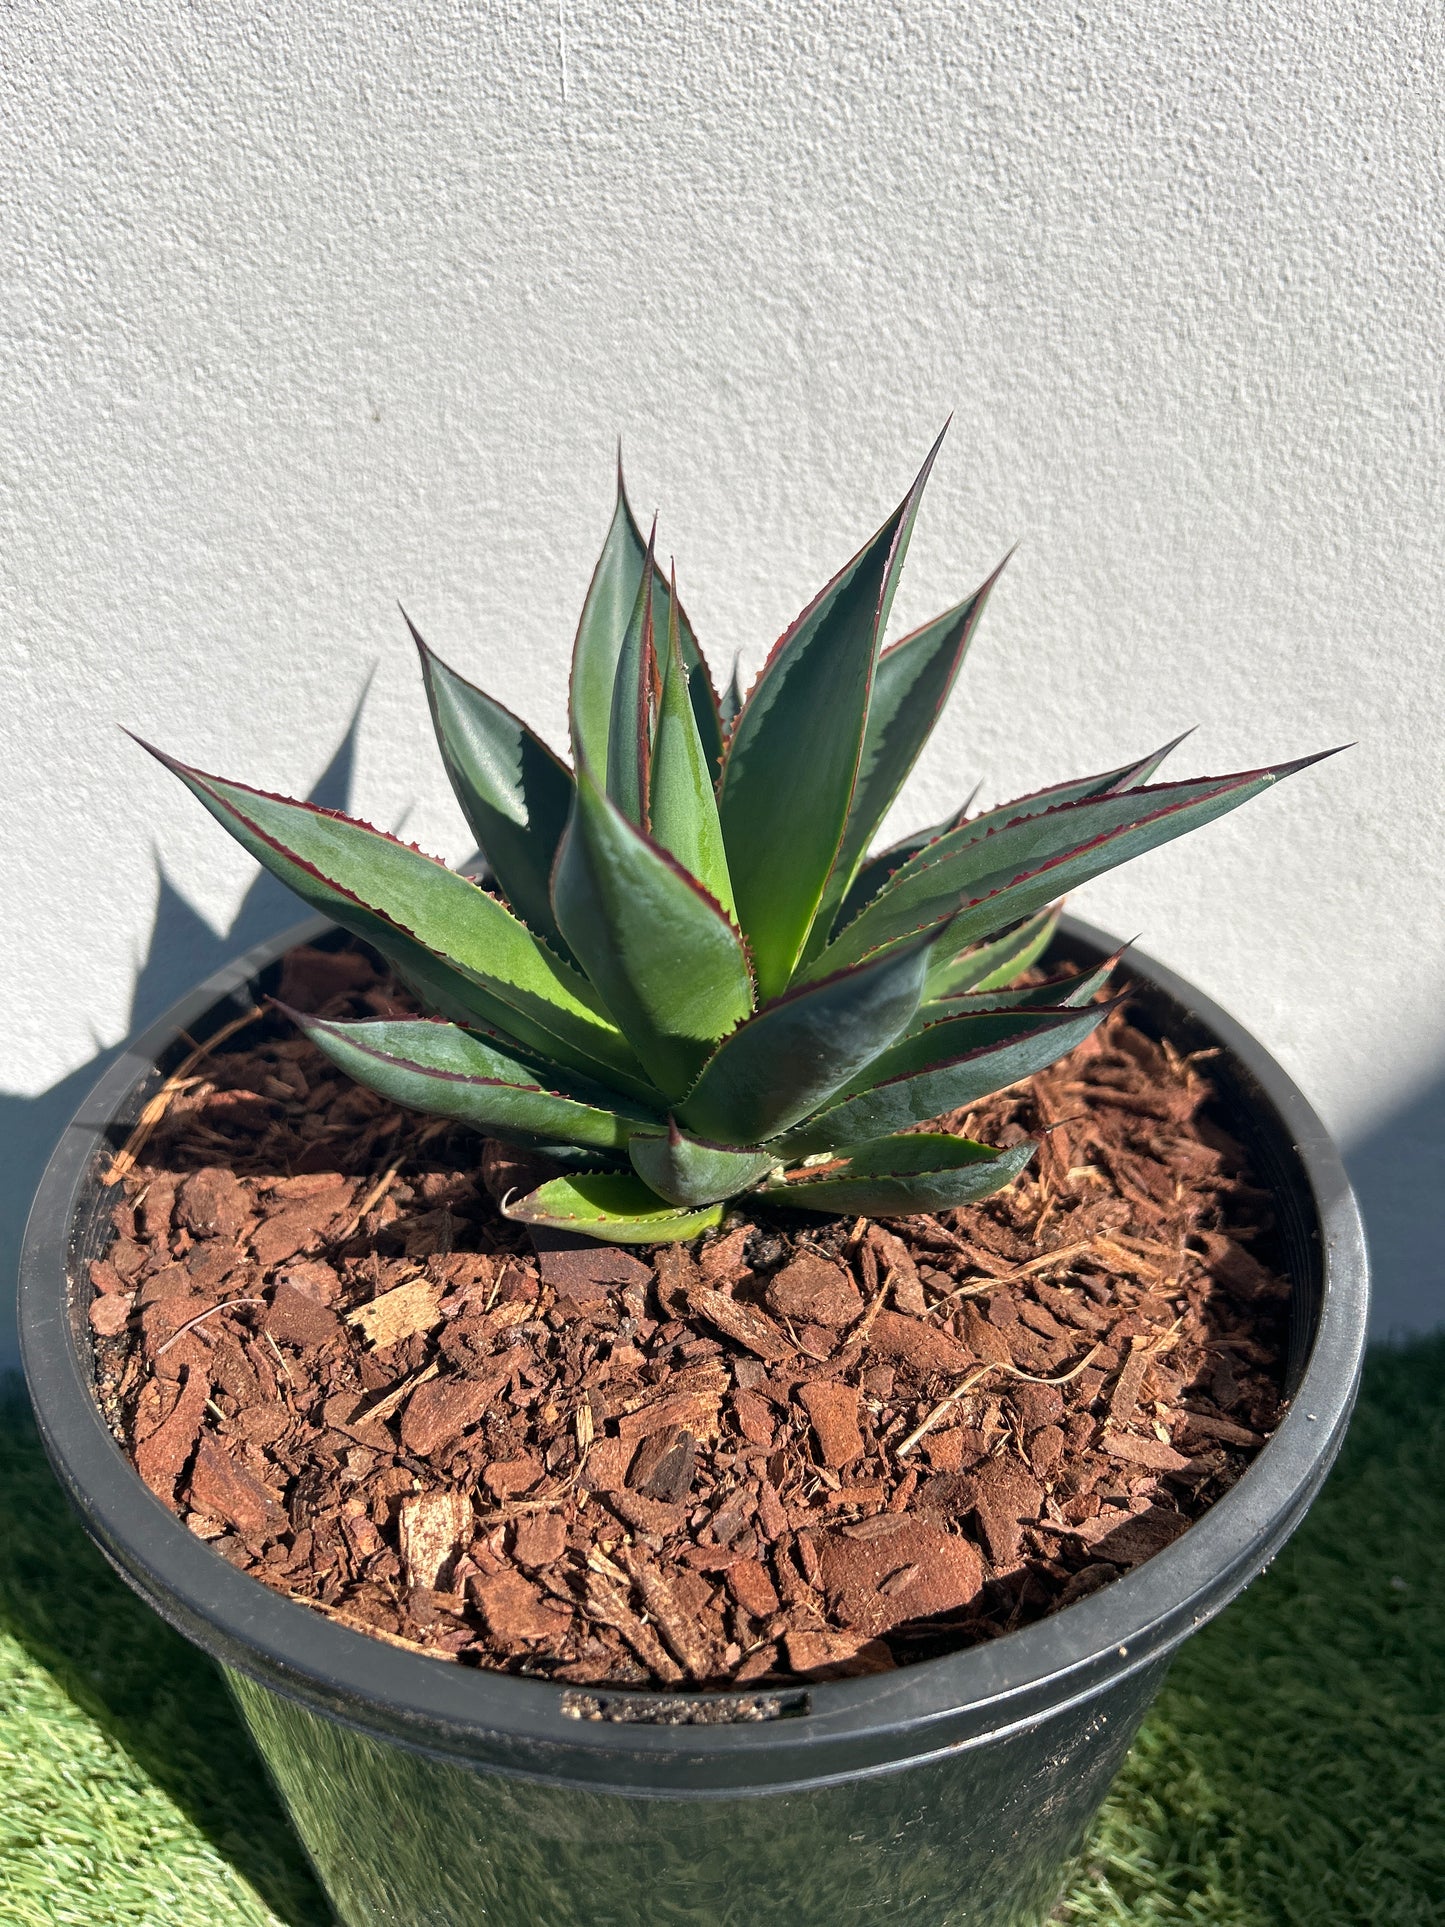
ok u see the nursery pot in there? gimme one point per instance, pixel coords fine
(955, 1790)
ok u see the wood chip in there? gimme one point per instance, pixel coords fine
(910, 1341)
(160, 1456)
(1139, 1538)
(398, 1313)
(751, 1587)
(744, 1324)
(540, 1539)
(214, 1204)
(1123, 1395)
(813, 1290)
(433, 1528)
(833, 1409)
(1006, 1498)
(684, 1636)
(442, 1410)
(1150, 1452)
(294, 1318)
(607, 1602)
(108, 1314)
(948, 1572)
(1199, 1425)
(828, 1654)
(698, 1412)
(223, 1488)
(516, 1611)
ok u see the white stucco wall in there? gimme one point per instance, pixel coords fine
(308, 308)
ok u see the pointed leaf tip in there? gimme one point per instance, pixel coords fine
(815, 685)
(913, 682)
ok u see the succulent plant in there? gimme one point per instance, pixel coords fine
(686, 977)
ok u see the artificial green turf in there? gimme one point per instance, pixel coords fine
(1293, 1770)
(1292, 1773)
(129, 1794)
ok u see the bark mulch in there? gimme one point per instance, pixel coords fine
(800, 1448)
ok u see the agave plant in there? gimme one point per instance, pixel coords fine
(686, 977)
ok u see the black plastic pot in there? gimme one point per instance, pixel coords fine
(951, 1791)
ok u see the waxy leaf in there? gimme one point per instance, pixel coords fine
(683, 814)
(731, 701)
(990, 965)
(605, 616)
(611, 599)
(514, 793)
(783, 807)
(614, 1206)
(878, 869)
(450, 1072)
(949, 1064)
(629, 738)
(690, 1171)
(663, 955)
(1109, 782)
(440, 929)
(1055, 993)
(706, 708)
(797, 1051)
(910, 687)
(901, 1175)
(982, 881)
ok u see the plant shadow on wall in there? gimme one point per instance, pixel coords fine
(183, 950)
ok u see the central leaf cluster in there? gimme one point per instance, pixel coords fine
(690, 978)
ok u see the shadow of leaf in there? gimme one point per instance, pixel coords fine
(183, 949)
(1397, 1171)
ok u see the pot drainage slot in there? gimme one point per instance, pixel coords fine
(652, 1709)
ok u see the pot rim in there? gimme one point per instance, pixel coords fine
(806, 1735)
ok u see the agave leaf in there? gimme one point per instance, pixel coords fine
(913, 682)
(949, 1064)
(982, 881)
(1109, 782)
(441, 930)
(629, 738)
(1055, 993)
(879, 868)
(991, 965)
(611, 599)
(706, 707)
(731, 701)
(660, 951)
(683, 814)
(792, 757)
(615, 1206)
(449, 1072)
(876, 871)
(689, 1171)
(797, 1051)
(514, 793)
(901, 1175)
(605, 616)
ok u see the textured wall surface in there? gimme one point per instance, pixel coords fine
(308, 308)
